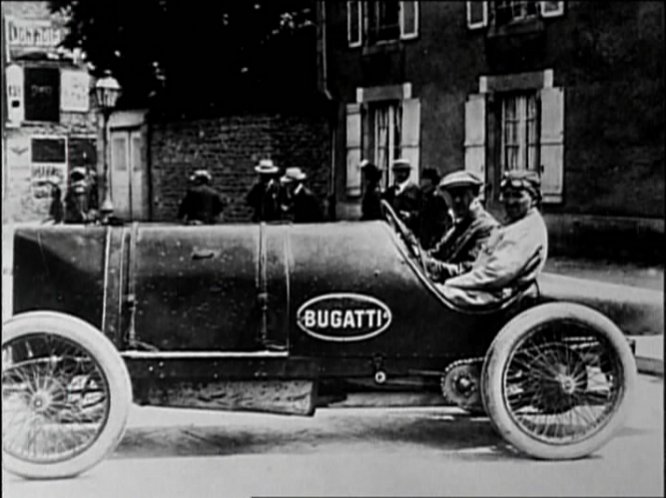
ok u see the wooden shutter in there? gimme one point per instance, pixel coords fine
(475, 134)
(354, 24)
(353, 134)
(411, 135)
(552, 144)
(409, 20)
(477, 14)
(551, 9)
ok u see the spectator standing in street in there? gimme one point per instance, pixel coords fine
(265, 197)
(56, 208)
(472, 226)
(371, 208)
(514, 255)
(434, 216)
(202, 204)
(78, 206)
(404, 196)
(304, 207)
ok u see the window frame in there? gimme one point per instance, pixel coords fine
(484, 21)
(559, 11)
(359, 6)
(522, 121)
(403, 34)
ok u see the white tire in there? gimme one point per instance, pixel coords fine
(46, 397)
(537, 381)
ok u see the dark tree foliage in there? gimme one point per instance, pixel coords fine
(200, 57)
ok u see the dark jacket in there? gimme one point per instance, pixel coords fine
(406, 204)
(371, 208)
(305, 207)
(433, 220)
(77, 205)
(264, 199)
(461, 244)
(202, 203)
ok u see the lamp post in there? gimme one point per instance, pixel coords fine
(107, 91)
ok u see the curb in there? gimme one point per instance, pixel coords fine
(650, 366)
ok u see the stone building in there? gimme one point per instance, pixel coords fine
(573, 90)
(49, 124)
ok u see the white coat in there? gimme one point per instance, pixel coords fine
(511, 259)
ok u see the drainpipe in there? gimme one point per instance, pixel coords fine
(332, 122)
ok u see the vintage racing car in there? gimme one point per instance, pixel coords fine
(184, 316)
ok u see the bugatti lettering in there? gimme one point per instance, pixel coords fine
(344, 317)
(356, 319)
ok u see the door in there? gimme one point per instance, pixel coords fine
(128, 175)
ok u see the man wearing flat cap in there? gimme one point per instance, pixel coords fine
(404, 196)
(265, 195)
(202, 204)
(514, 255)
(304, 207)
(472, 226)
(78, 199)
(371, 208)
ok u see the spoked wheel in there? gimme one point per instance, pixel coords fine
(66, 395)
(557, 379)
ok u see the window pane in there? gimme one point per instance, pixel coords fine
(353, 18)
(409, 18)
(383, 20)
(48, 150)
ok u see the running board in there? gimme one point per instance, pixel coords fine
(200, 355)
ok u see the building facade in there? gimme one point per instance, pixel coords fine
(49, 124)
(573, 90)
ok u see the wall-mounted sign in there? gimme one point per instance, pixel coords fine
(344, 317)
(33, 35)
(74, 90)
(42, 94)
(15, 101)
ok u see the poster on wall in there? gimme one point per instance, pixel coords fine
(27, 36)
(44, 176)
(74, 91)
(15, 103)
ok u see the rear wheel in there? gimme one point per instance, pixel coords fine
(66, 395)
(557, 380)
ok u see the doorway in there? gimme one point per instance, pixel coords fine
(128, 174)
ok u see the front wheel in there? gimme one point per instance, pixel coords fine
(557, 381)
(66, 395)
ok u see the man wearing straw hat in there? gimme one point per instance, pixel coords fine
(304, 207)
(264, 196)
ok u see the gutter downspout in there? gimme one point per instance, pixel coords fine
(332, 122)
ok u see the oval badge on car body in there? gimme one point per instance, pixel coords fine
(344, 317)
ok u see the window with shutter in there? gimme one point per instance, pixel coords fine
(475, 134)
(552, 144)
(353, 135)
(409, 20)
(477, 14)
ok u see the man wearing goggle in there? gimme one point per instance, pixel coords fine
(514, 255)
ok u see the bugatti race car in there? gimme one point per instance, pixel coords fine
(282, 317)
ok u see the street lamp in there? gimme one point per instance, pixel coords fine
(107, 91)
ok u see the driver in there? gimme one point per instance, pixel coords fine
(472, 226)
(514, 255)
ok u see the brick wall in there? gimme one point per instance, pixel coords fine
(229, 147)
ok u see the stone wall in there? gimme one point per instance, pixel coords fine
(229, 147)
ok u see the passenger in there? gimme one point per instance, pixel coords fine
(202, 204)
(371, 208)
(404, 196)
(472, 226)
(434, 216)
(514, 255)
(78, 207)
(304, 207)
(264, 196)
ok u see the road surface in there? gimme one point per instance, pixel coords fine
(432, 451)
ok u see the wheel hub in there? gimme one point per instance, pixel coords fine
(460, 385)
(41, 401)
(567, 383)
